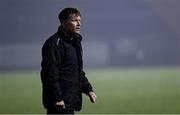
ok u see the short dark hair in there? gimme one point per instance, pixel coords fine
(65, 14)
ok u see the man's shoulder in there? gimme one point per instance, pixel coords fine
(54, 40)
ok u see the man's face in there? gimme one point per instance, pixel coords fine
(72, 25)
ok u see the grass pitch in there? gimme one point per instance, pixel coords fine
(119, 90)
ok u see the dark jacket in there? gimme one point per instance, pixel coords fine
(62, 72)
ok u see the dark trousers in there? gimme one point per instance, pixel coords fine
(59, 111)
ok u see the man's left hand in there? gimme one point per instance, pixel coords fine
(92, 96)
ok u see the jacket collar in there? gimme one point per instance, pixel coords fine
(69, 37)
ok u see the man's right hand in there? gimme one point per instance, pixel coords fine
(60, 104)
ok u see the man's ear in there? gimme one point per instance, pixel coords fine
(62, 22)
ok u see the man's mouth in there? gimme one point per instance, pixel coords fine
(77, 28)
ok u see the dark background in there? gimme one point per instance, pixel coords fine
(116, 32)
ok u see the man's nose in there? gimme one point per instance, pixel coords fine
(78, 23)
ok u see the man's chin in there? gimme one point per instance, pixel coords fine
(78, 32)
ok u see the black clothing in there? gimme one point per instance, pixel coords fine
(51, 111)
(62, 72)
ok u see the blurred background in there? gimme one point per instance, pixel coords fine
(131, 50)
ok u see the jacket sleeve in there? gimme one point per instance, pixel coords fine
(86, 86)
(50, 72)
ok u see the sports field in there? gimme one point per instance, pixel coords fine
(119, 90)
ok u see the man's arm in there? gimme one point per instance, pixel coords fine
(50, 71)
(87, 88)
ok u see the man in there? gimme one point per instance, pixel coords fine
(62, 75)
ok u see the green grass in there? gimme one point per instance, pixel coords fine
(143, 90)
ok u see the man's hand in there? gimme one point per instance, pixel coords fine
(92, 96)
(60, 104)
